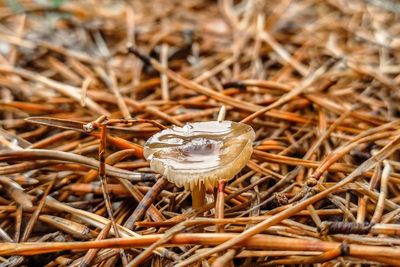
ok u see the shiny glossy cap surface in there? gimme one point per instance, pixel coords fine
(200, 152)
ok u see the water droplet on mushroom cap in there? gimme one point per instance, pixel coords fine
(200, 152)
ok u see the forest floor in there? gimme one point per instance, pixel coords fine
(318, 81)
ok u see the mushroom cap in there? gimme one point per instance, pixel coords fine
(200, 152)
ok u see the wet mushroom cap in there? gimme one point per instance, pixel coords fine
(200, 152)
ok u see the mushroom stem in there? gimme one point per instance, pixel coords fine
(198, 196)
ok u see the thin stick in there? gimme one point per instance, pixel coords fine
(387, 169)
(290, 95)
(219, 204)
(324, 257)
(146, 201)
(164, 78)
(103, 181)
(89, 256)
(35, 215)
(258, 241)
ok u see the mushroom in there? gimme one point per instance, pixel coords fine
(200, 154)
